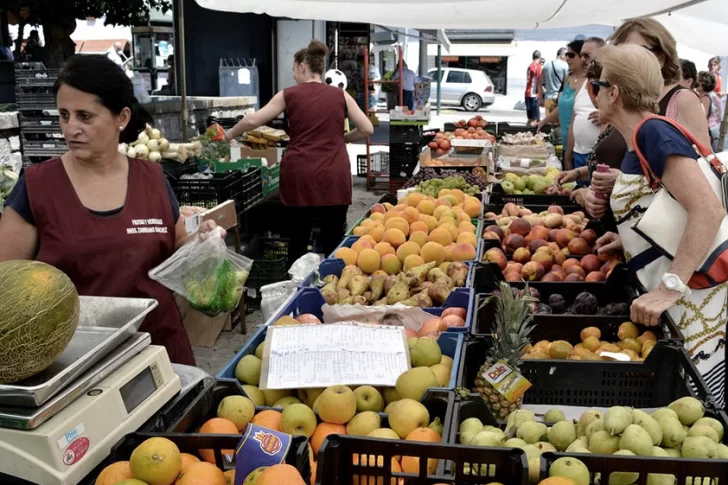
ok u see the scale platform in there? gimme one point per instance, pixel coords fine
(70, 435)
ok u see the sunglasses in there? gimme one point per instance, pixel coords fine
(597, 84)
(571, 55)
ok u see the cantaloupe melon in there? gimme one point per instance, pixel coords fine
(39, 312)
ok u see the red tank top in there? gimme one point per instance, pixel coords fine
(112, 256)
(315, 170)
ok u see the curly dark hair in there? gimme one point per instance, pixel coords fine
(706, 81)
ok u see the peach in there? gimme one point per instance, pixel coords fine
(510, 209)
(394, 237)
(553, 221)
(571, 225)
(441, 235)
(391, 264)
(538, 232)
(521, 255)
(384, 248)
(513, 277)
(559, 258)
(419, 225)
(513, 242)
(513, 267)
(535, 244)
(564, 237)
(590, 263)
(544, 258)
(433, 325)
(569, 263)
(596, 276)
(522, 211)
(574, 277)
(490, 216)
(378, 208)
(408, 249)
(467, 238)
(555, 209)
(496, 229)
(532, 271)
(433, 251)
(362, 244)
(472, 207)
(576, 269)
(558, 270)
(419, 237)
(609, 266)
(552, 277)
(398, 223)
(465, 226)
(411, 215)
(377, 233)
(431, 222)
(368, 261)
(426, 207)
(491, 235)
(463, 252)
(520, 226)
(589, 236)
(496, 256)
(552, 235)
(412, 261)
(347, 254)
(578, 246)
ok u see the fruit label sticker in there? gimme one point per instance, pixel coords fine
(506, 380)
(75, 451)
(260, 447)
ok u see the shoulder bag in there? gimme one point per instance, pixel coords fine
(664, 221)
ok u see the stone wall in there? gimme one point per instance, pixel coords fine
(10, 141)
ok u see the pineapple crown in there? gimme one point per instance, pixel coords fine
(513, 324)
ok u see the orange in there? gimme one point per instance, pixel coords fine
(557, 481)
(268, 419)
(322, 431)
(368, 461)
(280, 475)
(156, 461)
(188, 459)
(202, 474)
(411, 464)
(217, 426)
(114, 473)
(424, 434)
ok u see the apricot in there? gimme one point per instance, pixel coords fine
(368, 238)
(467, 238)
(463, 252)
(415, 198)
(447, 220)
(459, 195)
(433, 251)
(431, 222)
(359, 230)
(411, 215)
(407, 249)
(377, 233)
(347, 254)
(377, 216)
(590, 332)
(391, 264)
(441, 236)
(392, 213)
(419, 237)
(368, 261)
(440, 210)
(394, 237)
(472, 207)
(384, 248)
(448, 252)
(466, 226)
(412, 261)
(426, 207)
(362, 244)
(398, 223)
(419, 226)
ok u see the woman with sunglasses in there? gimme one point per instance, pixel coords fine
(565, 102)
(627, 95)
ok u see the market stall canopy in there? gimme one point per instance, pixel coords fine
(472, 14)
(701, 26)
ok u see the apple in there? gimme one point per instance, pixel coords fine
(298, 420)
(255, 394)
(414, 383)
(308, 396)
(337, 405)
(284, 402)
(368, 399)
(408, 415)
(364, 423)
(238, 409)
(248, 370)
(272, 396)
(508, 187)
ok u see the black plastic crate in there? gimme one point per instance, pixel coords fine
(174, 169)
(252, 189)
(270, 261)
(378, 164)
(498, 196)
(338, 465)
(35, 77)
(175, 409)
(34, 123)
(208, 192)
(405, 133)
(666, 375)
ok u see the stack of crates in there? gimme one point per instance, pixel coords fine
(404, 152)
(40, 130)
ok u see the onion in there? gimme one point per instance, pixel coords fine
(153, 145)
(142, 151)
(163, 144)
(156, 134)
(131, 152)
(143, 138)
(155, 156)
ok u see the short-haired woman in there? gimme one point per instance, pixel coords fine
(712, 104)
(714, 67)
(689, 74)
(315, 170)
(627, 95)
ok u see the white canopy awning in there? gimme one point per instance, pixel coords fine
(697, 23)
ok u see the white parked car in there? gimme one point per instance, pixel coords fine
(468, 88)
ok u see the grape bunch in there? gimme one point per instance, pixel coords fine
(432, 187)
(470, 179)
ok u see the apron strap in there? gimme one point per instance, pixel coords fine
(643, 259)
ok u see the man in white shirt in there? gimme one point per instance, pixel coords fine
(552, 78)
(408, 86)
(115, 53)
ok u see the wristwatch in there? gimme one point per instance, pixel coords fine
(674, 283)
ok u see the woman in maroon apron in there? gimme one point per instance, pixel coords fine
(315, 170)
(82, 212)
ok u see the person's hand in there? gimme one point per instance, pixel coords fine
(539, 126)
(209, 228)
(603, 182)
(609, 242)
(594, 205)
(594, 117)
(567, 176)
(648, 308)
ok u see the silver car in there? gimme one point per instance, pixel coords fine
(464, 87)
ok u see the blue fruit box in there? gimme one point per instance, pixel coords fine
(309, 300)
(459, 297)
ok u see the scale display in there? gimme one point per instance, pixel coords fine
(137, 390)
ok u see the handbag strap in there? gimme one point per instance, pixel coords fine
(704, 151)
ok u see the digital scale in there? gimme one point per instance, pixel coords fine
(74, 428)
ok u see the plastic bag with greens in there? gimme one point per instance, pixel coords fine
(206, 273)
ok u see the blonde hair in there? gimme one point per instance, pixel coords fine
(662, 41)
(637, 73)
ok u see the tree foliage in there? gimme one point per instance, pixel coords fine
(116, 12)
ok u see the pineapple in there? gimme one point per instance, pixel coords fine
(513, 326)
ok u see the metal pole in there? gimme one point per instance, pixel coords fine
(439, 76)
(182, 66)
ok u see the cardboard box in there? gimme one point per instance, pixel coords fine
(272, 155)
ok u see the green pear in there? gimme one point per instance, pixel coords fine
(572, 468)
(688, 410)
(713, 423)
(554, 416)
(623, 478)
(531, 431)
(649, 424)
(637, 440)
(704, 430)
(562, 434)
(617, 419)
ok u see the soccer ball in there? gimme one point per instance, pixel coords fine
(335, 78)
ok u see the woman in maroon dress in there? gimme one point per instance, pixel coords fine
(315, 170)
(78, 212)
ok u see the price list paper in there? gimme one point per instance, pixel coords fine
(305, 356)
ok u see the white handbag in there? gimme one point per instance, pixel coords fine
(663, 223)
